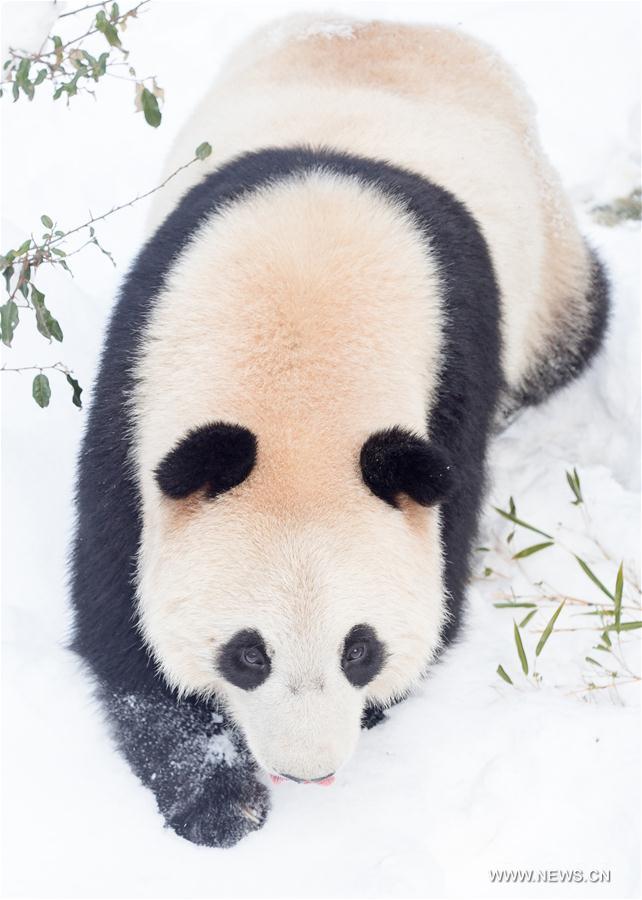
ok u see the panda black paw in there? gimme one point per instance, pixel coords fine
(223, 820)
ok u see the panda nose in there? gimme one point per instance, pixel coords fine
(324, 780)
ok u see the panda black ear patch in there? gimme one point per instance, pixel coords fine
(216, 457)
(395, 461)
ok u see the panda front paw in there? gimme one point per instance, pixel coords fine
(224, 818)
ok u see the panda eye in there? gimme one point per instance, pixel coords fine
(356, 652)
(362, 655)
(244, 661)
(252, 657)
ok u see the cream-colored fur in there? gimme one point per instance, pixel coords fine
(310, 314)
(428, 98)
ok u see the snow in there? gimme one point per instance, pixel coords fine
(471, 774)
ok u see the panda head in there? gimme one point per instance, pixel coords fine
(295, 615)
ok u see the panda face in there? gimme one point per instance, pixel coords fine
(293, 623)
(313, 725)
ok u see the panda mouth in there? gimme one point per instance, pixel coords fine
(326, 781)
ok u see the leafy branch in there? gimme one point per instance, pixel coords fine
(41, 389)
(69, 67)
(20, 268)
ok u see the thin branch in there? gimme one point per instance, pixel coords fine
(74, 12)
(94, 219)
(59, 367)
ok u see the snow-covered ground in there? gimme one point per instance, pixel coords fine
(472, 774)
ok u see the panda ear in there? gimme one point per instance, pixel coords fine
(217, 457)
(395, 461)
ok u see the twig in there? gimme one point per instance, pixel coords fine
(75, 12)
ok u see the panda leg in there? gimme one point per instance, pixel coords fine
(194, 761)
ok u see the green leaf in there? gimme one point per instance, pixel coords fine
(41, 391)
(527, 618)
(42, 74)
(594, 661)
(574, 484)
(513, 518)
(594, 577)
(115, 12)
(23, 248)
(45, 322)
(8, 273)
(203, 150)
(520, 649)
(534, 548)
(514, 605)
(625, 626)
(606, 639)
(46, 221)
(549, 628)
(77, 391)
(8, 321)
(105, 27)
(503, 674)
(617, 599)
(57, 42)
(150, 108)
(58, 252)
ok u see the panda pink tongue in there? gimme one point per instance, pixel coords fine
(325, 782)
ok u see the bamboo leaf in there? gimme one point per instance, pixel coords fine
(574, 484)
(514, 605)
(617, 599)
(593, 577)
(513, 518)
(503, 674)
(520, 649)
(625, 626)
(534, 548)
(549, 628)
(527, 618)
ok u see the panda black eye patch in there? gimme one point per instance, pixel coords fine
(362, 655)
(395, 461)
(217, 457)
(244, 660)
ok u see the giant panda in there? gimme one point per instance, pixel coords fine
(283, 466)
